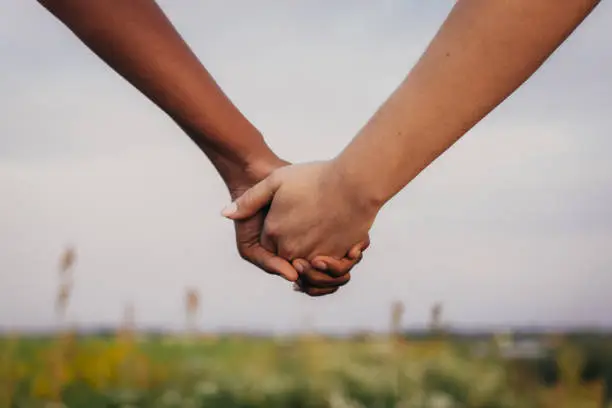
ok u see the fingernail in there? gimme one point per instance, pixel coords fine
(299, 267)
(229, 209)
(319, 265)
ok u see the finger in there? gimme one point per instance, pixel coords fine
(253, 200)
(332, 266)
(311, 291)
(309, 276)
(301, 265)
(318, 279)
(356, 252)
(366, 243)
(316, 292)
(270, 263)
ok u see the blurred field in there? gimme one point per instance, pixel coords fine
(130, 370)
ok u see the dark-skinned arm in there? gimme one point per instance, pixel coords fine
(136, 39)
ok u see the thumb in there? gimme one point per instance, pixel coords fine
(253, 200)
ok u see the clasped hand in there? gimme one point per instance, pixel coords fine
(310, 219)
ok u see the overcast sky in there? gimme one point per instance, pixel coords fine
(513, 225)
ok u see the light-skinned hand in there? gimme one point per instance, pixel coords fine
(310, 212)
(324, 277)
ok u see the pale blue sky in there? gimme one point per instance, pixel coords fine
(513, 225)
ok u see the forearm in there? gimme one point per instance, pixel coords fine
(137, 41)
(482, 53)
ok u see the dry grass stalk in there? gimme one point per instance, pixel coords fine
(192, 306)
(66, 273)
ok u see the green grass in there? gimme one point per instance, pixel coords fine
(237, 372)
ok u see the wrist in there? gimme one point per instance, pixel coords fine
(240, 165)
(239, 177)
(357, 186)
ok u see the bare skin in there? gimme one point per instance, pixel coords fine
(483, 52)
(137, 40)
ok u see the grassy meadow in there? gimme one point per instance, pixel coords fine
(127, 369)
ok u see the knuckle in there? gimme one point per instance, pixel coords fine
(343, 280)
(352, 263)
(244, 256)
(271, 229)
(244, 253)
(273, 178)
(288, 250)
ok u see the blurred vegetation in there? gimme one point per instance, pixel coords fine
(430, 369)
(131, 370)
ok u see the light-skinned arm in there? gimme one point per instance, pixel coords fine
(481, 54)
(136, 39)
